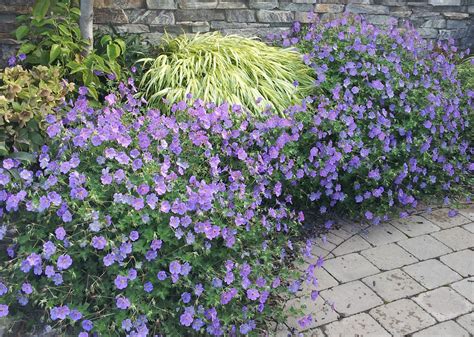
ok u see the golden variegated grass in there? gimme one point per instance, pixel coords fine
(230, 69)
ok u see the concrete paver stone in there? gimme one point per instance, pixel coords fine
(351, 298)
(443, 303)
(402, 317)
(432, 273)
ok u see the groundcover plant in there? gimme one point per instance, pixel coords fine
(135, 223)
(389, 123)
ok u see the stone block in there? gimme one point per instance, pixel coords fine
(468, 212)
(440, 217)
(321, 311)
(470, 9)
(303, 17)
(351, 298)
(452, 33)
(467, 322)
(389, 257)
(236, 25)
(294, 7)
(462, 262)
(264, 15)
(383, 234)
(456, 238)
(434, 23)
(469, 227)
(432, 274)
(304, 1)
(400, 12)
(354, 244)
(367, 9)
(151, 17)
(449, 328)
(402, 317)
(424, 247)
(15, 9)
(109, 15)
(465, 288)
(328, 8)
(240, 15)
(263, 4)
(161, 4)
(456, 24)
(197, 4)
(342, 268)
(231, 4)
(196, 27)
(362, 324)
(443, 303)
(415, 225)
(259, 32)
(445, 2)
(199, 15)
(123, 4)
(133, 28)
(428, 33)
(393, 285)
(381, 20)
(324, 281)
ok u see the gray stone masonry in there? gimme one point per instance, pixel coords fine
(435, 19)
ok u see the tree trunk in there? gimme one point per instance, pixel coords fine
(86, 22)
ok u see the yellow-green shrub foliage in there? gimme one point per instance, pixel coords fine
(26, 98)
(218, 68)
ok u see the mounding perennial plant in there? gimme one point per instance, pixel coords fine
(389, 123)
(136, 223)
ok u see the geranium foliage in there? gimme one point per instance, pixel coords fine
(135, 222)
(389, 123)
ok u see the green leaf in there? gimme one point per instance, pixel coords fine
(54, 53)
(40, 8)
(21, 32)
(113, 51)
(26, 48)
(23, 156)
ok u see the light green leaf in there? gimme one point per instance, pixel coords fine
(54, 53)
(41, 8)
(21, 32)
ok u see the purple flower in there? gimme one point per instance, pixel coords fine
(187, 317)
(122, 302)
(134, 235)
(64, 262)
(121, 282)
(110, 99)
(60, 233)
(252, 294)
(148, 287)
(98, 242)
(3, 310)
(59, 312)
(87, 325)
(27, 288)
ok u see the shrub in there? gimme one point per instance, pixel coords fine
(388, 124)
(51, 36)
(135, 223)
(26, 98)
(229, 69)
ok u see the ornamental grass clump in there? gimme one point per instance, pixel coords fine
(230, 69)
(135, 223)
(388, 124)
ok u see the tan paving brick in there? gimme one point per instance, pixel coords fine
(445, 329)
(456, 238)
(389, 256)
(361, 324)
(415, 225)
(467, 322)
(402, 317)
(393, 285)
(350, 267)
(383, 234)
(443, 303)
(441, 218)
(354, 244)
(424, 247)
(432, 273)
(462, 262)
(465, 288)
(321, 312)
(351, 298)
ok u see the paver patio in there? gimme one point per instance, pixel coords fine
(411, 277)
